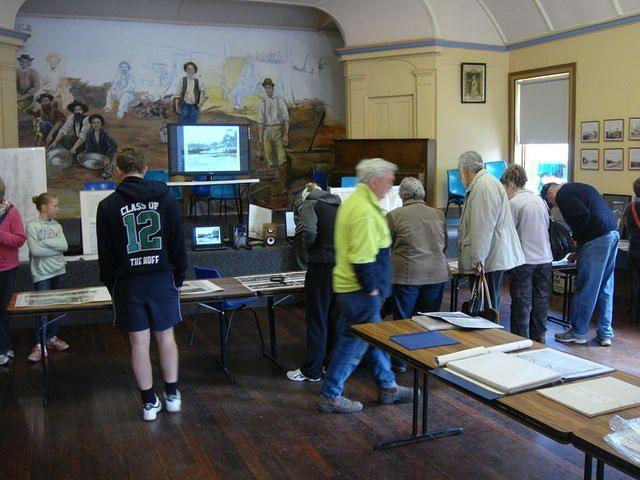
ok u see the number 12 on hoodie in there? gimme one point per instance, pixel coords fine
(142, 231)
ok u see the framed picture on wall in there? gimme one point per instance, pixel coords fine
(590, 132)
(589, 159)
(613, 158)
(614, 130)
(634, 129)
(634, 159)
(473, 78)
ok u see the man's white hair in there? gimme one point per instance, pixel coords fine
(472, 161)
(371, 168)
(411, 189)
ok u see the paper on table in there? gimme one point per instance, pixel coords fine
(63, 297)
(570, 366)
(595, 397)
(432, 324)
(194, 287)
(462, 320)
(442, 360)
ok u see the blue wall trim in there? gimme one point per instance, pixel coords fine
(14, 34)
(495, 48)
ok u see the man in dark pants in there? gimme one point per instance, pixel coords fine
(631, 220)
(143, 261)
(595, 231)
(317, 219)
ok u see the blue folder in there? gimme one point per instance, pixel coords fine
(426, 339)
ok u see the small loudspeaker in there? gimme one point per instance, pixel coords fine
(269, 232)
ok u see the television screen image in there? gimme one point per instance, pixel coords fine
(208, 149)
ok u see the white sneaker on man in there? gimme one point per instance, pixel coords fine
(173, 403)
(298, 376)
(150, 410)
(4, 359)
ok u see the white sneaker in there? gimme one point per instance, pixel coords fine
(173, 403)
(150, 410)
(298, 376)
(10, 353)
(4, 359)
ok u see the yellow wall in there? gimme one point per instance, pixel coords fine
(431, 77)
(607, 77)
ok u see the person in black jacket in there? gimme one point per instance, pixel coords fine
(143, 261)
(631, 222)
(317, 220)
(595, 232)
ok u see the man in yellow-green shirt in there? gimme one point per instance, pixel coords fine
(361, 282)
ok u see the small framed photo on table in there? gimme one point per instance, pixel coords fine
(614, 130)
(613, 158)
(634, 159)
(473, 77)
(590, 132)
(589, 159)
(634, 129)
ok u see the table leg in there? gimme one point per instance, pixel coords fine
(222, 361)
(599, 470)
(45, 374)
(453, 287)
(416, 437)
(588, 466)
(273, 342)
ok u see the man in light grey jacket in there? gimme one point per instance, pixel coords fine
(487, 238)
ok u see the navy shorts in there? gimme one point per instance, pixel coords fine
(146, 301)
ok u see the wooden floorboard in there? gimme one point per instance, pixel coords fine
(263, 427)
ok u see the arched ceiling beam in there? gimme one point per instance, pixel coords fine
(544, 14)
(495, 23)
(617, 7)
(435, 26)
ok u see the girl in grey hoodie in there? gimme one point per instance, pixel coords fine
(47, 244)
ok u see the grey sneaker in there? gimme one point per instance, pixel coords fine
(399, 394)
(569, 337)
(339, 405)
(4, 359)
(604, 341)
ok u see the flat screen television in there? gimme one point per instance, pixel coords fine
(208, 149)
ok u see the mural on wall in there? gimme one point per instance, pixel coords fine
(125, 81)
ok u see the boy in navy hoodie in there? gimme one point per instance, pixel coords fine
(143, 261)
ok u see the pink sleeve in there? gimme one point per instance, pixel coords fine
(13, 235)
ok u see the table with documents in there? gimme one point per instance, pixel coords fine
(530, 408)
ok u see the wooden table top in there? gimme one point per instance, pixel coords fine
(231, 289)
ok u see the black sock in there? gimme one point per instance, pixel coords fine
(171, 388)
(148, 396)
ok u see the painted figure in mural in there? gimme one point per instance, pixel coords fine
(190, 95)
(273, 130)
(97, 140)
(122, 89)
(28, 82)
(56, 82)
(77, 126)
(48, 119)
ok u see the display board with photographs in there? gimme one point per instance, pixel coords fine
(589, 159)
(634, 159)
(614, 130)
(590, 132)
(613, 158)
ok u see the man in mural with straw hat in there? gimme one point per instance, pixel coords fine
(190, 95)
(27, 81)
(48, 118)
(98, 141)
(76, 126)
(273, 130)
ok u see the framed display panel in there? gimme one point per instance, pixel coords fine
(613, 159)
(473, 83)
(614, 130)
(590, 131)
(634, 128)
(634, 159)
(589, 159)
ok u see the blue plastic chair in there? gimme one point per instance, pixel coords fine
(198, 192)
(223, 309)
(321, 179)
(224, 193)
(456, 190)
(99, 186)
(346, 182)
(496, 168)
(163, 176)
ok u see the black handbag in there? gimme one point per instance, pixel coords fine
(480, 305)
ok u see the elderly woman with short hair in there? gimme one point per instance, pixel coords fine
(12, 237)
(420, 268)
(530, 284)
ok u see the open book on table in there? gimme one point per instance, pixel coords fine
(493, 370)
(450, 320)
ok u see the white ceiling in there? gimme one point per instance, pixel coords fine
(361, 22)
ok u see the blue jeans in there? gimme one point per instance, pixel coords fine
(411, 299)
(189, 113)
(353, 309)
(53, 283)
(594, 286)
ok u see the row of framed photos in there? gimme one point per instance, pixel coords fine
(613, 159)
(613, 130)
